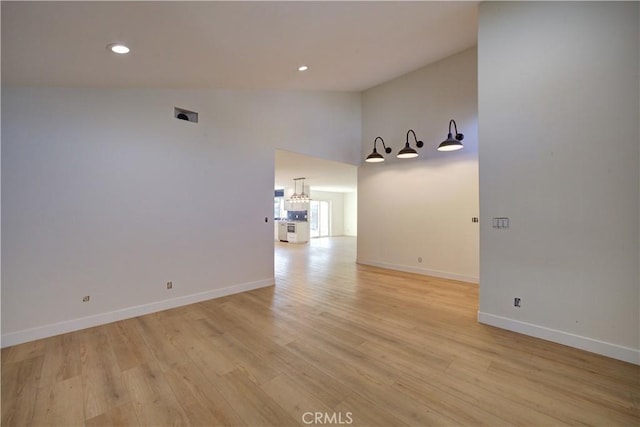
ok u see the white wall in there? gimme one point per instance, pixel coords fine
(559, 137)
(411, 208)
(351, 213)
(105, 194)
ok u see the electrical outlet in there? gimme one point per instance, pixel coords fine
(85, 298)
(516, 302)
(169, 285)
(475, 219)
(420, 259)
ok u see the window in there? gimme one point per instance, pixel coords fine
(320, 218)
(278, 208)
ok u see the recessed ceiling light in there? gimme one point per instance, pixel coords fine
(118, 48)
(303, 68)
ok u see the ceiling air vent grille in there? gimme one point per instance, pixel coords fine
(186, 115)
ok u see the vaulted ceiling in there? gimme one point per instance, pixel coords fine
(348, 46)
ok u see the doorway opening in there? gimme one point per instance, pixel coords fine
(330, 214)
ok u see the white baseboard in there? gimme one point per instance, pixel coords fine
(50, 330)
(614, 351)
(418, 270)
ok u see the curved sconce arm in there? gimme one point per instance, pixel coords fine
(419, 143)
(459, 136)
(386, 149)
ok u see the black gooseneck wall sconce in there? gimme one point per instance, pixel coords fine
(407, 152)
(451, 144)
(376, 157)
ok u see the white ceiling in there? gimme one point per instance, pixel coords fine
(348, 46)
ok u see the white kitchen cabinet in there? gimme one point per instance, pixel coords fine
(295, 206)
(293, 231)
(302, 232)
(282, 231)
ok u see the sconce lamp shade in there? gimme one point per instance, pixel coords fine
(451, 143)
(376, 157)
(407, 152)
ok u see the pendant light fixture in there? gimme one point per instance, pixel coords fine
(376, 157)
(451, 144)
(302, 197)
(407, 152)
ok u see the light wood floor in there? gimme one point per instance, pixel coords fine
(356, 343)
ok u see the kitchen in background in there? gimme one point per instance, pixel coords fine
(331, 208)
(292, 215)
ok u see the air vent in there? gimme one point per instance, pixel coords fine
(186, 115)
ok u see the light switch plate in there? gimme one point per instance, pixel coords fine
(500, 222)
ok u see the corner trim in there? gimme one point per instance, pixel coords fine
(417, 270)
(615, 351)
(25, 335)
